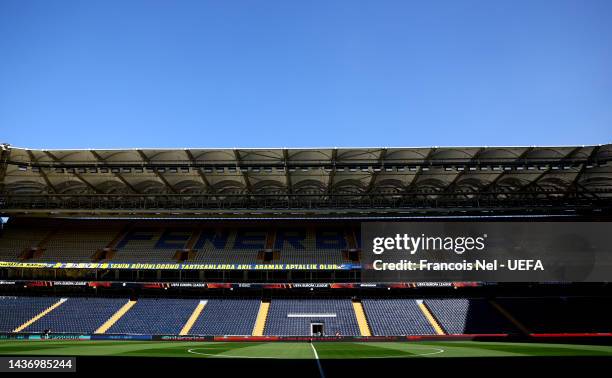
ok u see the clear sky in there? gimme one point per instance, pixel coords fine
(112, 74)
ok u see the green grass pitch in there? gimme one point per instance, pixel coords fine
(291, 350)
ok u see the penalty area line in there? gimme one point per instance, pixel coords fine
(314, 350)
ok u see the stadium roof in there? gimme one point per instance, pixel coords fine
(317, 180)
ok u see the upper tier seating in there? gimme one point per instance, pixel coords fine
(66, 246)
(15, 239)
(228, 246)
(140, 246)
(142, 242)
(310, 246)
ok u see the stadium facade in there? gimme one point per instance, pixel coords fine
(266, 243)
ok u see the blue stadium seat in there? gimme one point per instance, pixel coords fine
(15, 311)
(280, 322)
(225, 317)
(155, 317)
(396, 317)
(78, 315)
(468, 316)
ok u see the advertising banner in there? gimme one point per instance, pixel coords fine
(177, 266)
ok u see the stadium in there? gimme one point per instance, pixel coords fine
(206, 257)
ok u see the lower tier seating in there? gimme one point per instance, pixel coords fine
(303, 317)
(78, 315)
(561, 315)
(393, 317)
(156, 317)
(227, 317)
(15, 311)
(295, 317)
(468, 316)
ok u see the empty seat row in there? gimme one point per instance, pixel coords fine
(468, 316)
(79, 243)
(15, 311)
(147, 316)
(296, 317)
(395, 317)
(78, 315)
(227, 317)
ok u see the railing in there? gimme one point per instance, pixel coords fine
(213, 201)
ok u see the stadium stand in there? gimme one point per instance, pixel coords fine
(15, 240)
(232, 246)
(276, 206)
(15, 311)
(155, 317)
(294, 317)
(77, 315)
(468, 316)
(394, 317)
(143, 243)
(227, 317)
(65, 245)
(559, 315)
(303, 246)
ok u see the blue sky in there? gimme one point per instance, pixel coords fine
(112, 74)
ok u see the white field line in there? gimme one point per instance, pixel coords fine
(195, 351)
(314, 350)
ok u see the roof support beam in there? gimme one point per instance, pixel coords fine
(117, 175)
(76, 174)
(381, 160)
(287, 173)
(503, 173)
(159, 175)
(549, 169)
(42, 172)
(5, 153)
(413, 183)
(245, 175)
(576, 181)
(584, 190)
(474, 158)
(332, 171)
(199, 170)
